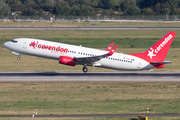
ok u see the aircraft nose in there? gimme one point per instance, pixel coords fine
(6, 44)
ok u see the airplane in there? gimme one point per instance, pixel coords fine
(77, 55)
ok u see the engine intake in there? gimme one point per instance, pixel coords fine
(67, 60)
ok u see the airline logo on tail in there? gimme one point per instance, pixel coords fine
(151, 53)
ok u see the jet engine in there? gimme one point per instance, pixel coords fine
(67, 60)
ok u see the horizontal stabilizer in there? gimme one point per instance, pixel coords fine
(165, 62)
(160, 64)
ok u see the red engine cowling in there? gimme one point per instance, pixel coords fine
(67, 60)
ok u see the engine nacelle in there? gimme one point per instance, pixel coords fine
(67, 60)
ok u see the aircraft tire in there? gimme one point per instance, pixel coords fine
(18, 58)
(85, 69)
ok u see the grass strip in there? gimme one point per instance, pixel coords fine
(22, 98)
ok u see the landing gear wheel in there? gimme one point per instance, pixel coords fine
(85, 69)
(18, 58)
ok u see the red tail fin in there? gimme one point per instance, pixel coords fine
(158, 51)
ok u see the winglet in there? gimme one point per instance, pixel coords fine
(110, 46)
(112, 51)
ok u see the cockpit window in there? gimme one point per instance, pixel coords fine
(14, 41)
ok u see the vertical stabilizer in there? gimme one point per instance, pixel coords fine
(158, 51)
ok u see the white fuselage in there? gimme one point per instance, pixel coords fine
(54, 50)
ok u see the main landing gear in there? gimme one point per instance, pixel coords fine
(85, 69)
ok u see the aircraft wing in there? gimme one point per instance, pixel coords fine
(96, 58)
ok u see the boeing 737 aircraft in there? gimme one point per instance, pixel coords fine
(76, 55)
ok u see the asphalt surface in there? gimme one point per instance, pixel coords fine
(89, 28)
(90, 77)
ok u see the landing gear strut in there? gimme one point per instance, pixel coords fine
(85, 69)
(18, 58)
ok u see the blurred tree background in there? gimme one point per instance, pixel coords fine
(90, 7)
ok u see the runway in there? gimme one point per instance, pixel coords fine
(90, 77)
(89, 28)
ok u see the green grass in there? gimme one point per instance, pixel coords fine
(96, 39)
(94, 118)
(59, 98)
(122, 42)
(149, 118)
(51, 118)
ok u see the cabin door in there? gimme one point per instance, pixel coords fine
(24, 44)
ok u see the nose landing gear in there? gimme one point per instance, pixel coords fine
(85, 69)
(18, 58)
